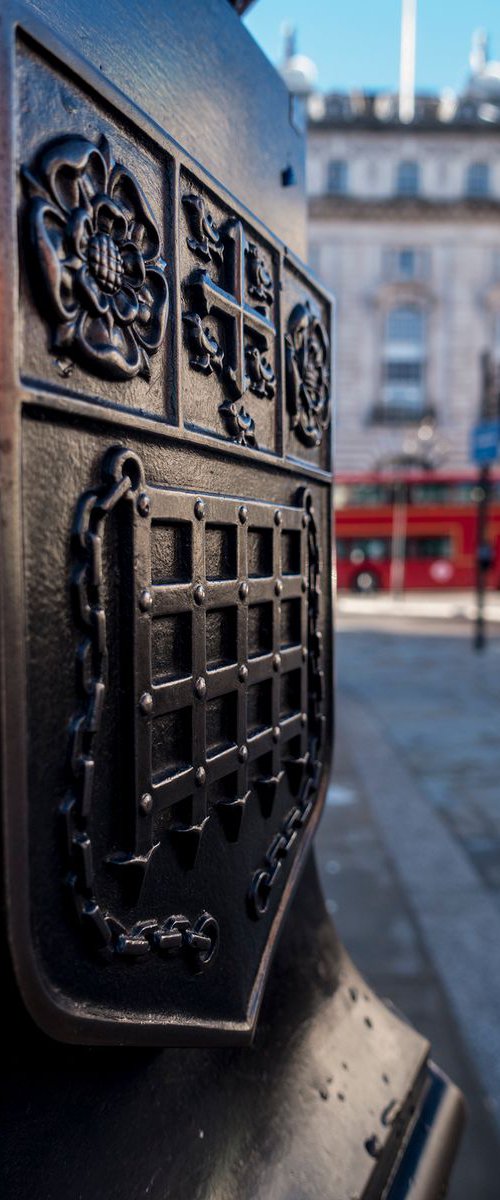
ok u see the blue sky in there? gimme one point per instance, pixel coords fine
(356, 43)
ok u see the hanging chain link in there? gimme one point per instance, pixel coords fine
(284, 840)
(200, 940)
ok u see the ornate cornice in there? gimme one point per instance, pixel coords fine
(402, 207)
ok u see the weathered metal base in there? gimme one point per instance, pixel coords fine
(275, 1119)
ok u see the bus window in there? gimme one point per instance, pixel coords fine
(428, 547)
(429, 493)
(440, 492)
(362, 495)
(358, 550)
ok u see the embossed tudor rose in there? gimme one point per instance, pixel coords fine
(177, 715)
(95, 253)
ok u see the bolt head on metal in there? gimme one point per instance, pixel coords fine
(143, 504)
(201, 776)
(276, 733)
(243, 754)
(243, 673)
(146, 703)
(304, 654)
(278, 587)
(199, 594)
(303, 718)
(200, 688)
(278, 517)
(243, 514)
(243, 590)
(199, 509)
(146, 802)
(145, 600)
(276, 662)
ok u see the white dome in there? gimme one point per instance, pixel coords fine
(300, 74)
(486, 86)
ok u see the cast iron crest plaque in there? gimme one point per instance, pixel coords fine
(167, 627)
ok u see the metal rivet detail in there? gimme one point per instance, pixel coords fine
(146, 703)
(278, 517)
(278, 587)
(201, 776)
(276, 733)
(243, 754)
(199, 594)
(199, 509)
(243, 514)
(143, 504)
(243, 590)
(200, 688)
(303, 718)
(276, 662)
(146, 802)
(243, 673)
(145, 600)
(304, 654)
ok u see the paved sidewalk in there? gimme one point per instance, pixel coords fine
(444, 606)
(409, 849)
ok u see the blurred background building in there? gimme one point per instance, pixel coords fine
(405, 230)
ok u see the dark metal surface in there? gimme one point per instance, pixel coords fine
(176, 580)
(166, 630)
(320, 1107)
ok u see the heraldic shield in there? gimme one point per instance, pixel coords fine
(167, 597)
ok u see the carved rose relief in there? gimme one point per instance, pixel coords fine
(308, 375)
(95, 255)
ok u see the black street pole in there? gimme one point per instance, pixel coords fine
(483, 556)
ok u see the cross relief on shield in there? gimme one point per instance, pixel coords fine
(236, 287)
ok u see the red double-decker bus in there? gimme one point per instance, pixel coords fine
(413, 531)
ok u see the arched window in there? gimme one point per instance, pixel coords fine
(408, 178)
(403, 375)
(337, 177)
(478, 179)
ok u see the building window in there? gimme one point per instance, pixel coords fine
(336, 178)
(403, 368)
(408, 179)
(405, 264)
(496, 337)
(478, 179)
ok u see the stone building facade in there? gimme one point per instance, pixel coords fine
(405, 231)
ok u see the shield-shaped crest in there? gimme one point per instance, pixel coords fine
(166, 613)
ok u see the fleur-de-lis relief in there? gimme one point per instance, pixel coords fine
(94, 255)
(205, 238)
